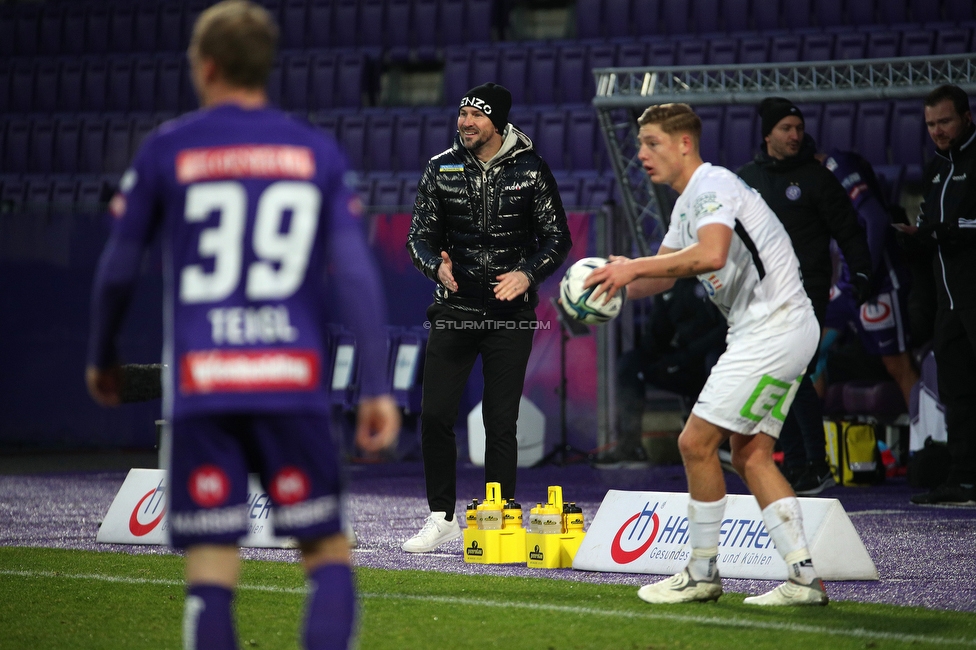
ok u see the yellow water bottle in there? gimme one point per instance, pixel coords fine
(490, 512)
(512, 515)
(471, 514)
(574, 519)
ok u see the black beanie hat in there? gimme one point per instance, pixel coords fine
(491, 99)
(772, 109)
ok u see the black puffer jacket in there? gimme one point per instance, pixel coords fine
(814, 207)
(508, 217)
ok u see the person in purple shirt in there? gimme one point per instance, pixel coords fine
(881, 322)
(259, 227)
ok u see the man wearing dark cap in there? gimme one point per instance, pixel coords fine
(488, 227)
(814, 209)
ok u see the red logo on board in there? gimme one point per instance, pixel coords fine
(138, 528)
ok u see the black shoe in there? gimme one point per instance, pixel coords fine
(813, 480)
(947, 494)
(791, 473)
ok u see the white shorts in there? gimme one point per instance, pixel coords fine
(752, 386)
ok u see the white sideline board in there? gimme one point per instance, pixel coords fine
(138, 513)
(647, 532)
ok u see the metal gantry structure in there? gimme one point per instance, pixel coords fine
(623, 93)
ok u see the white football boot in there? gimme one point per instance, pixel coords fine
(792, 593)
(436, 531)
(681, 588)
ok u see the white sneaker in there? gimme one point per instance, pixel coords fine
(792, 593)
(435, 532)
(681, 588)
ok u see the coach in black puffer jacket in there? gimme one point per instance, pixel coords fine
(488, 226)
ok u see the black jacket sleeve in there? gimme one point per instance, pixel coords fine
(838, 213)
(426, 238)
(551, 229)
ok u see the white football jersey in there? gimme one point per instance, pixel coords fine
(762, 272)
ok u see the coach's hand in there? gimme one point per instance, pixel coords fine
(445, 272)
(511, 285)
(104, 384)
(377, 424)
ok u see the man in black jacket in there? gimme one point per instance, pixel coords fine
(488, 227)
(948, 223)
(814, 209)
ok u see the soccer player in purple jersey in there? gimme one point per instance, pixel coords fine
(258, 226)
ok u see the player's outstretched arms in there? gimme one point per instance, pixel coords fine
(377, 424)
(104, 384)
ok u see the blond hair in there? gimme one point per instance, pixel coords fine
(674, 118)
(241, 38)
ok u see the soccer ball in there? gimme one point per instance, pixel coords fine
(576, 300)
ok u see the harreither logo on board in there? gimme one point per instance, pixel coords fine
(148, 512)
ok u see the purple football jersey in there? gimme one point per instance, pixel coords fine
(259, 226)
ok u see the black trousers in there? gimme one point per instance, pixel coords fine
(955, 358)
(802, 438)
(454, 344)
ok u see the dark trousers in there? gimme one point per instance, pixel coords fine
(452, 347)
(955, 358)
(802, 438)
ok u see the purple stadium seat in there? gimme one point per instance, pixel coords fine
(146, 27)
(589, 18)
(513, 72)
(294, 19)
(524, 118)
(580, 139)
(830, 13)
(14, 192)
(92, 149)
(193, 8)
(861, 12)
(551, 140)
(952, 41)
(118, 142)
(319, 28)
(440, 127)
(817, 47)
(674, 16)
(38, 199)
(6, 70)
(739, 138)
(352, 137)
(425, 26)
(275, 84)
(617, 18)
(40, 157)
(170, 34)
(388, 194)
(723, 51)
(69, 85)
(883, 45)
(397, 21)
(66, 139)
(119, 84)
(882, 401)
(917, 43)
(22, 86)
(569, 188)
(893, 11)
(457, 74)
(484, 66)
(141, 127)
(632, 55)
(570, 70)
(797, 14)
(478, 21)
(94, 88)
(890, 177)
(691, 52)
(647, 17)
(169, 78)
(27, 26)
(89, 196)
(97, 29)
(661, 53)
(410, 182)
(344, 23)
(907, 133)
(143, 84)
(296, 75)
(370, 23)
(735, 15)
(379, 141)
(850, 46)
(542, 75)
(407, 153)
(121, 29)
(811, 120)
(766, 13)
(364, 188)
(49, 35)
(597, 56)
(595, 191)
(706, 16)
(871, 132)
(321, 89)
(328, 121)
(958, 9)
(924, 11)
(349, 79)
(753, 49)
(837, 127)
(64, 192)
(46, 85)
(452, 22)
(710, 146)
(784, 49)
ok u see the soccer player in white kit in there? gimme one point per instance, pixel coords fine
(724, 233)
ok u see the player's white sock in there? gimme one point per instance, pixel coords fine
(704, 523)
(784, 523)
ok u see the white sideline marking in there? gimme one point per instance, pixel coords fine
(859, 633)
